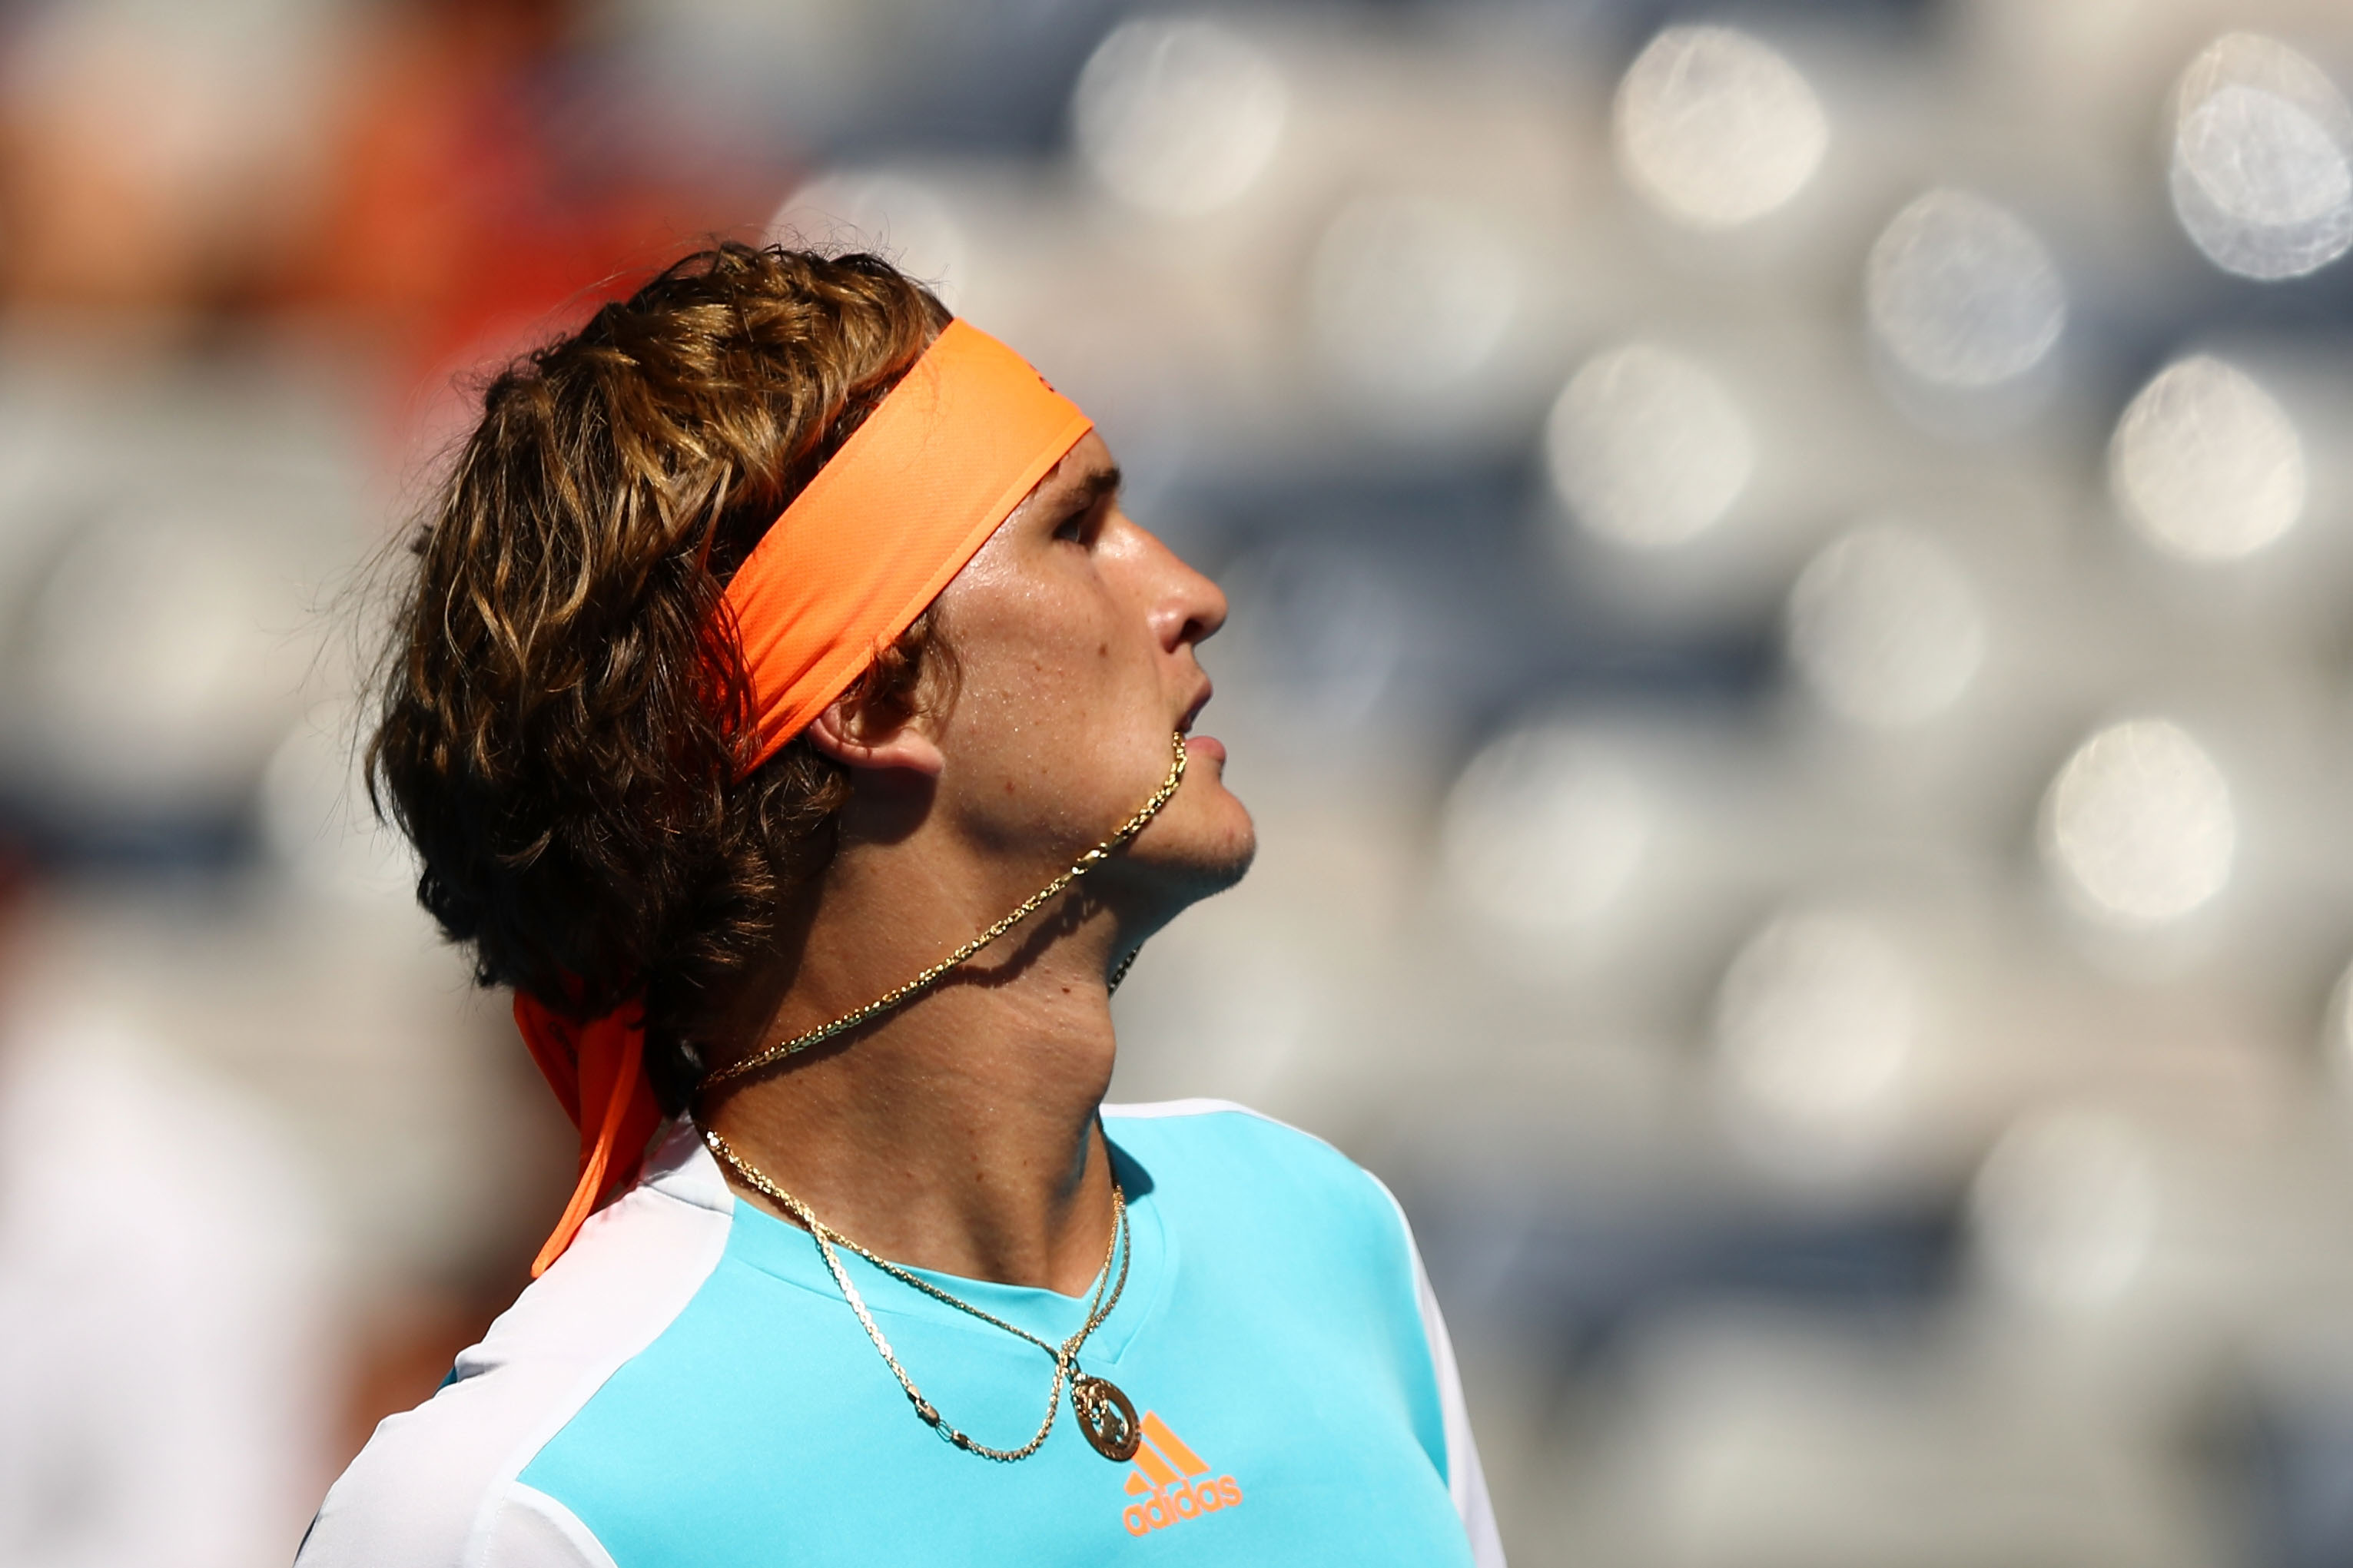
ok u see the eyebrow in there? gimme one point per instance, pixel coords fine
(1094, 488)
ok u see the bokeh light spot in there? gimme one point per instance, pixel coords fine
(2263, 159)
(1883, 626)
(1715, 128)
(1962, 294)
(1815, 1020)
(1647, 448)
(1410, 296)
(897, 216)
(149, 659)
(2336, 1032)
(2206, 463)
(1543, 832)
(2064, 1210)
(1179, 116)
(315, 818)
(2139, 823)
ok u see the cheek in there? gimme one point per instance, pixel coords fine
(1054, 715)
(1045, 657)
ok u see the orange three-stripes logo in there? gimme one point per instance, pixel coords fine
(1169, 1478)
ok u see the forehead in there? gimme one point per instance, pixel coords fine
(1085, 473)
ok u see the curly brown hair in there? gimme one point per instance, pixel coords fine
(564, 713)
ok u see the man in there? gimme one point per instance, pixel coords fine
(787, 710)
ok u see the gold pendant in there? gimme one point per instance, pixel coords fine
(1106, 1418)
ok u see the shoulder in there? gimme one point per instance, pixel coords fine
(1259, 1173)
(1222, 1128)
(436, 1487)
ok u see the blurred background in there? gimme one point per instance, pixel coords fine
(1792, 648)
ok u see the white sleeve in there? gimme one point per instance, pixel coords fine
(535, 1530)
(439, 1486)
(530, 1529)
(1464, 1477)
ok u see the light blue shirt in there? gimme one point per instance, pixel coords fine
(688, 1386)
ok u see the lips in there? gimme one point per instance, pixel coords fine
(1184, 725)
(1202, 747)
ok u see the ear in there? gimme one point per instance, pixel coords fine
(846, 733)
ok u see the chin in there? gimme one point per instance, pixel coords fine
(1214, 854)
(1199, 853)
(1213, 873)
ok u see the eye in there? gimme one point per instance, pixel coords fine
(1081, 526)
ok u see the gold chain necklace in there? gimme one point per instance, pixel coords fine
(1029, 906)
(1104, 1414)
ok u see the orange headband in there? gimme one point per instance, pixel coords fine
(861, 552)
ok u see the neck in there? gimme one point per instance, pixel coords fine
(956, 1133)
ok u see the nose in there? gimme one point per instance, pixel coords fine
(1186, 607)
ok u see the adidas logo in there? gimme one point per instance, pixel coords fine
(1167, 1476)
